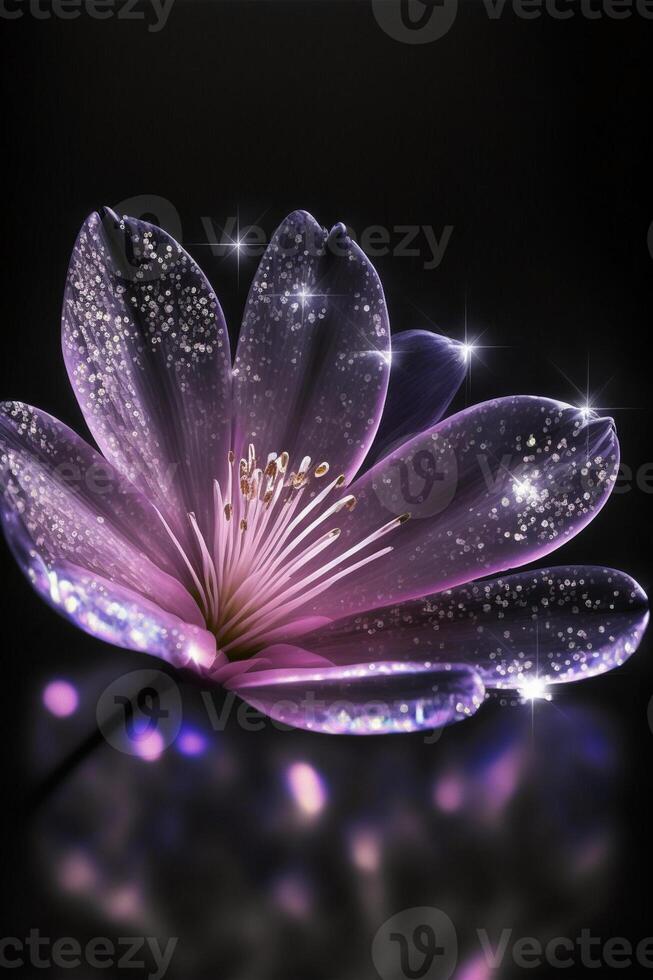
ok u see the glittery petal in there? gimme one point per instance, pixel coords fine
(311, 370)
(120, 616)
(147, 353)
(557, 624)
(364, 699)
(427, 370)
(491, 488)
(63, 503)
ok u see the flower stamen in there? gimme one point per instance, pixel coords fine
(263, 564)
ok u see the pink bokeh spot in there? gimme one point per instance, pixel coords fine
(449, 793)
(307, 788)
(60, 698)
(150, 746)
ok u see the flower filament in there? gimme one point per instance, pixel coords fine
(261, 565)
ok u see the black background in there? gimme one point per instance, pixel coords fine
(530, 137)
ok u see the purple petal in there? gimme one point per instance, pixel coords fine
(427, 370)
(312, 366)
(147, 353)
(489, 489)
(122, 617)
(63, 504)
(364, 699)
(554, 624)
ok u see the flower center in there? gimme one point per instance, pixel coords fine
(263, 563)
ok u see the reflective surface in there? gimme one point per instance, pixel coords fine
(273, 853)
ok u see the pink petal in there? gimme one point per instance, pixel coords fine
(554, 624)
(489, 489)
(62, 503)
(427, 370)
(273, 659)
(364, 699)
(122, 617)
(147, 353)
(312, 366)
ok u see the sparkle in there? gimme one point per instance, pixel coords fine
(467, 349)
(524, 489)
(534, 689)
(590, 404)
(304, 294)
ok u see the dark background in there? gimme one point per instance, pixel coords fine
(530, 137)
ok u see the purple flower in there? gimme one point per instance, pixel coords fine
(230, 524)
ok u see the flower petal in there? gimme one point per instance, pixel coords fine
(62, 503)
(278, 657)
(121, 616)
(364, 699)
(553, 624)
(427, 370)
(147, 353)
(491, 488)
(312, 365)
